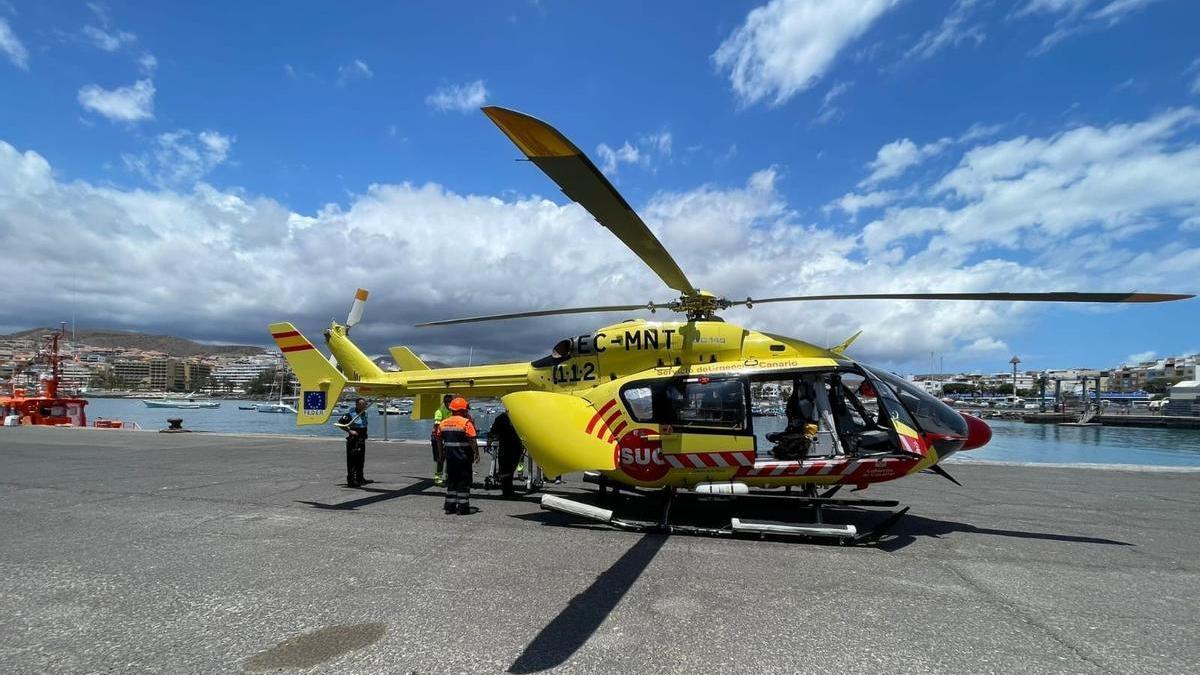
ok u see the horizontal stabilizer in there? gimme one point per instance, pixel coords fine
(406, 359)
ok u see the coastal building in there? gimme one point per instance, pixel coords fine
(74, 376)
(162, 374)
(1026, 380)
(242, 372)
(1168, 369)
(1183, 399)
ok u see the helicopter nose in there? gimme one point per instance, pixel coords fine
(978, 433)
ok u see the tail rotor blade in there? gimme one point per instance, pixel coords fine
(356, 309)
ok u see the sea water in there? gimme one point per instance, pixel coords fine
(228, 419)
(1012, 441)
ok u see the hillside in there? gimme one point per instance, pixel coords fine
(168, 344)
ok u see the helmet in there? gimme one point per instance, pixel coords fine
(458, 404)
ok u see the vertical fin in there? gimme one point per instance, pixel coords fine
(320, 382)
(841, 348)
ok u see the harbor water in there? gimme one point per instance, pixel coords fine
(229, 419)
(1012, 441)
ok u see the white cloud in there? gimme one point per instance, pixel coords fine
(987, 345)
(853, 202)
(955, 29)
(829, 110)
(648, 151)
(181, 157)
(460, 97)
(147, 63)
(660, 142)
(1072, 16)
(224, 263)
(895, 158)
(123, 104)
(785, 46)
(109, 42)
(1194, 68)
(979, 131)
(899, 156)
(355, 70)
(1141, 357)
(12, 46)
(1080, 194)
(1118, 9)
(610, 158)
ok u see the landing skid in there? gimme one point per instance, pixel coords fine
(840, 533)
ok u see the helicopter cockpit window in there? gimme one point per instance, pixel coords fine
(640, 403)
(932, 416)
(701, 402)
(888, 403)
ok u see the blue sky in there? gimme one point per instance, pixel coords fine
(206, 168)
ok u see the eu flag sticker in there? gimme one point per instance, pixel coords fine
(314, 403)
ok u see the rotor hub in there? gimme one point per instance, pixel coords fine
(699, 306)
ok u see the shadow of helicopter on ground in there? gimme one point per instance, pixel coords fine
(420, 487)
(580, 619)
(576, 623)
(716, 514)
(911, 528)
(379, 495)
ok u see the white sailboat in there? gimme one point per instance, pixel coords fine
(279, 406)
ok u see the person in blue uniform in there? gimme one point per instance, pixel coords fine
(356, 444)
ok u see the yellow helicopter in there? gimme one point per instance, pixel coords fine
(671, 404)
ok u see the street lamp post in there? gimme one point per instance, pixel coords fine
(1015, 360)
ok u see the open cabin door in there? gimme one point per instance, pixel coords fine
(823, 414)
(702, 423)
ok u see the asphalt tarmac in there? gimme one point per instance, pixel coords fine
(127, 552)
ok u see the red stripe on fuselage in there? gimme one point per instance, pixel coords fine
(287, 334)
(600, 413)
(297, 348)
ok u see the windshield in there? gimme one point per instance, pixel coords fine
(932, 415)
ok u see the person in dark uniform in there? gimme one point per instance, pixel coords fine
(356, 444)
(508, 451)
(456, 435)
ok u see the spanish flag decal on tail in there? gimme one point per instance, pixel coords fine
(320, 382)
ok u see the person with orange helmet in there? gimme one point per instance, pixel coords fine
(456, 436)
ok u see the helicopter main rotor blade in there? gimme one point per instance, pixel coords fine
(580, 180)
(547, 312)
(1011, 297)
